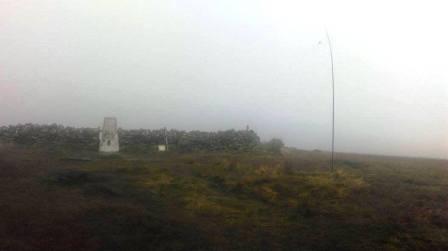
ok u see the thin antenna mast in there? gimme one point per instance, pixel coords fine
(166, 140)
(332, 87)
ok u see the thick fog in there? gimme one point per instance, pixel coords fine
(214, 65)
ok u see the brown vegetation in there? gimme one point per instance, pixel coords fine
(221, 201)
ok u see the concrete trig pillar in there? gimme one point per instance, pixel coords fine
(109, 136)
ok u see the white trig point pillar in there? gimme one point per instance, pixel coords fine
(109, 136)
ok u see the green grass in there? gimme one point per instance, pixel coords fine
(221, 201)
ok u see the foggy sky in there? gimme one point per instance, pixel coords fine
(214, 65)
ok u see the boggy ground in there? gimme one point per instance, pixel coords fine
(220, 201)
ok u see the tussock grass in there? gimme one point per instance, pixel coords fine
(222, 201)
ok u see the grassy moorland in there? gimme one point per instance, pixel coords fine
(220, 201)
